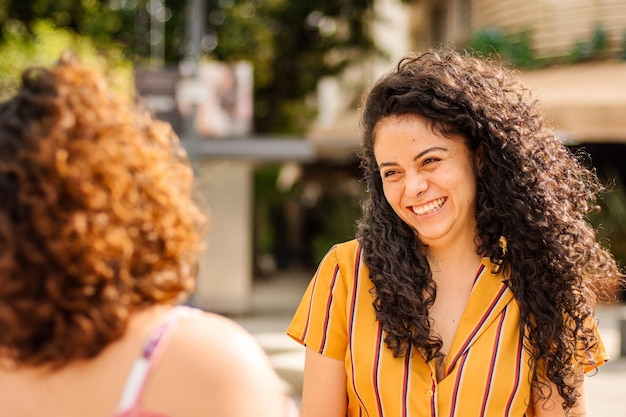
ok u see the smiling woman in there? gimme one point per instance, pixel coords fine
(428, 179)
(471, 286)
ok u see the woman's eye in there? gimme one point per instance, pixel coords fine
(430, 161)
(389, 173)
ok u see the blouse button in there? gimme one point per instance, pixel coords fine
(429, 393)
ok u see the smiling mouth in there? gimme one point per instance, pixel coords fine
(430, 207)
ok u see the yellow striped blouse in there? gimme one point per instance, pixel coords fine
(486, 370)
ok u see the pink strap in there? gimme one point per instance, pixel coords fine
(152, 350)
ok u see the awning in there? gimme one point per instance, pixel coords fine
(585, 102)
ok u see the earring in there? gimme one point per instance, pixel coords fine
(499, 261)
(503, 245)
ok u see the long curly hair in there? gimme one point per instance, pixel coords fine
(531, 189)
(97, 218)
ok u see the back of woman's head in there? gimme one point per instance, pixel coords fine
(96, 216)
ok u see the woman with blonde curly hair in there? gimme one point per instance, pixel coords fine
(98, 243)
(471, 286)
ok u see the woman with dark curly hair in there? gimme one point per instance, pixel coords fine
(99, 236)
(470, 289)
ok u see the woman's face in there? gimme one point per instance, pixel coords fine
(428, 179)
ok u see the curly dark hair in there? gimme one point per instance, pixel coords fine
(531, 189)
(97, 218)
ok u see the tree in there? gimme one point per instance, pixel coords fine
(291, 44)
(44, 44)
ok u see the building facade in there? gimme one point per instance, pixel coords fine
(555, 26)
(575, 57)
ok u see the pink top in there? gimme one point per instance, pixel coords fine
(129, 405)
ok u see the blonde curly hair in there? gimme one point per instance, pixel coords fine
(97, 218)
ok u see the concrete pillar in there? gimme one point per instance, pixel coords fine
(224, 282)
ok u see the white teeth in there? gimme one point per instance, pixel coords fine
(430, 207)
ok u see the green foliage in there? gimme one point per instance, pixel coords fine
(517, 48)
(296, 227)
(267, 200)
(340, 211)
(593, 48)
(91, 18)
(606, 160)
(611, 222)
(488, 41)
(291, 44)
(272, 223)
(512, 47)
(43, 44)
(599, 40)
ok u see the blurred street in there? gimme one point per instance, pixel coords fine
(274, 301)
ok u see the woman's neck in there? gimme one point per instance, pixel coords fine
(452, 259)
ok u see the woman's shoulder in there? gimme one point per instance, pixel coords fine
(346, 251)
(344, 262)
(209, 333)
(216, 361)
(351, 245)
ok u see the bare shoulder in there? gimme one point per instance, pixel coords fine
(219, 343)
(221, 364)
(220, 339)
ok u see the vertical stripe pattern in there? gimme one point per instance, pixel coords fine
(487, 372)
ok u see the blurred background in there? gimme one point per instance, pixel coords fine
(265, 94)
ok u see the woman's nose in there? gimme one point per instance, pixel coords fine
(415, 184)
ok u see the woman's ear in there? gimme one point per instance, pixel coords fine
(478, 160)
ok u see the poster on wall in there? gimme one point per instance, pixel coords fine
(219, 98)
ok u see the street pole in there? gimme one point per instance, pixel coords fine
(195, 32)
(158, 14)
(195, 18)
